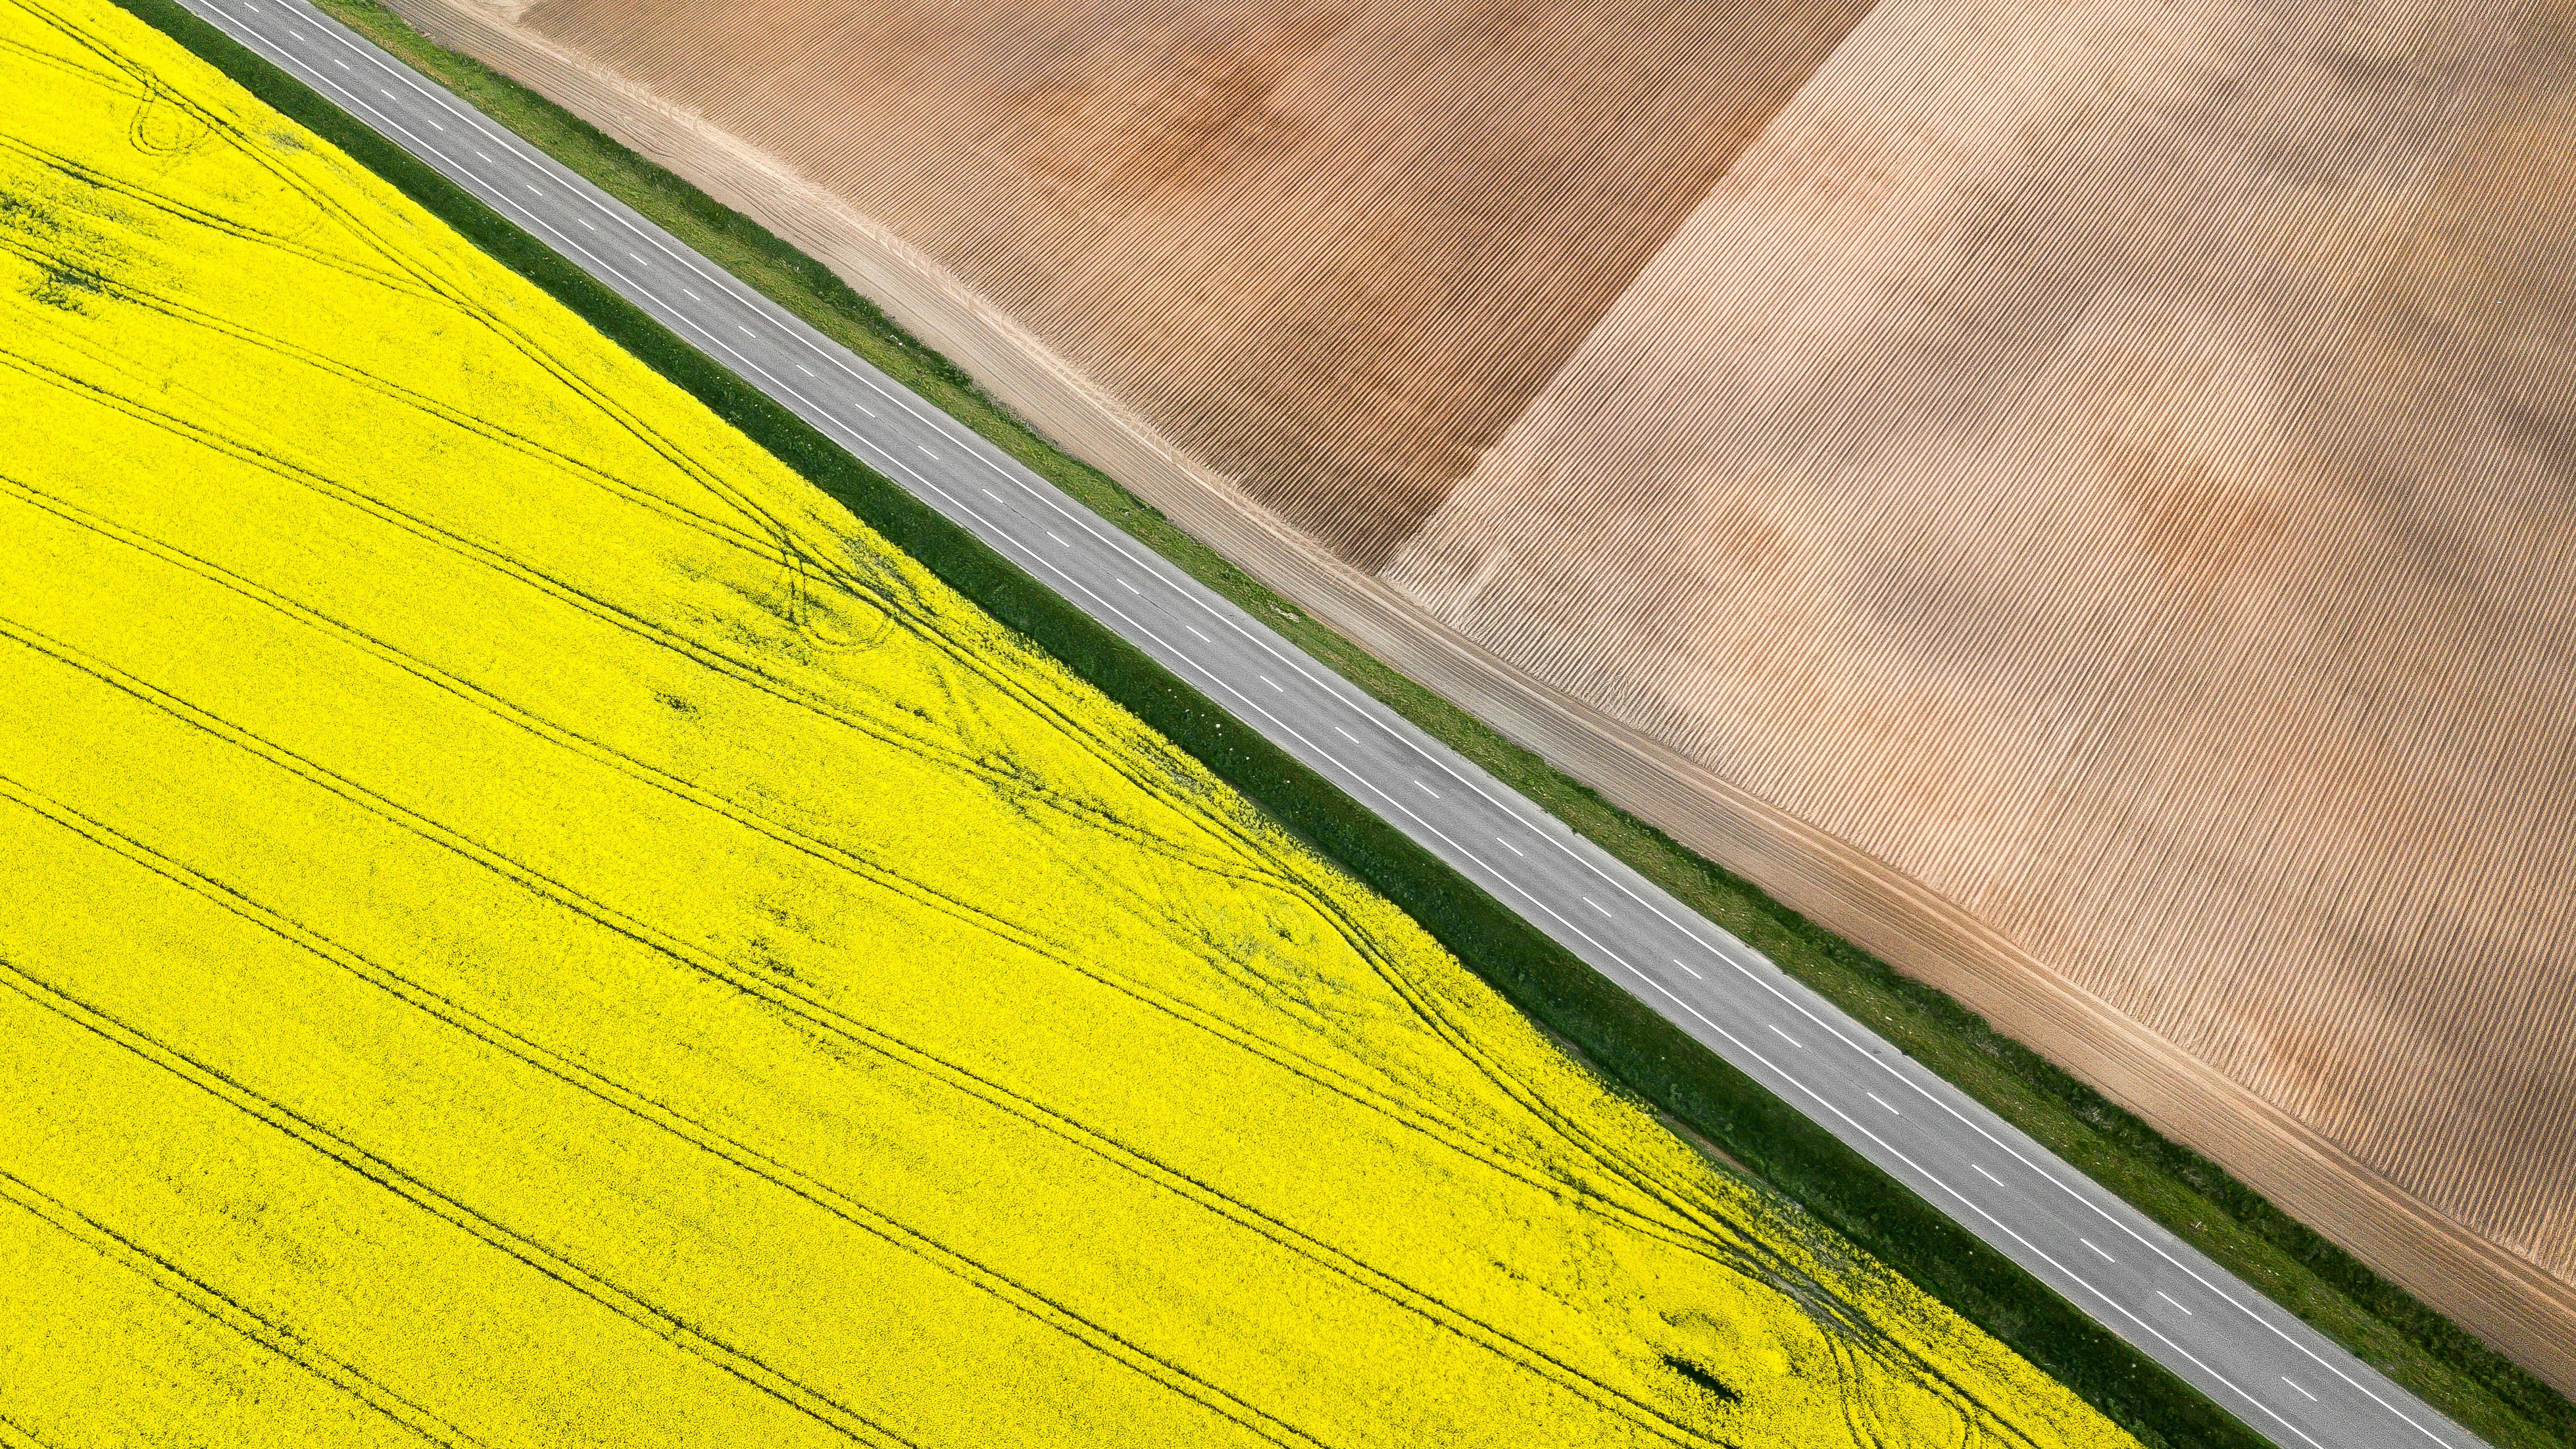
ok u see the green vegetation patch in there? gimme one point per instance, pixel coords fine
(2199, 1201)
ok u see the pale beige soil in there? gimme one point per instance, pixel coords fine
(2082, 504)
(2116, 468)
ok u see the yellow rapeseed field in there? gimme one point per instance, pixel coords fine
(525, 924)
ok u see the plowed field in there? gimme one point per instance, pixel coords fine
(1330, 249)
(528, 925)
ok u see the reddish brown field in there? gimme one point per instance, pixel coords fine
(2081, 496)
(1328, 248)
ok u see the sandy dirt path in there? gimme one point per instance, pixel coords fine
(2478, 1262)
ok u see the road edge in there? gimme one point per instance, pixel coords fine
(1614, 1032)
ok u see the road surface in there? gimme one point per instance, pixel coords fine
(2145, 1284)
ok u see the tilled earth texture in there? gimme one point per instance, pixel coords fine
(527, 925)
(1332, 248)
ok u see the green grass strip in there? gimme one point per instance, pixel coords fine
(2188, 1194)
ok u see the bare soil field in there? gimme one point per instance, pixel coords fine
(2078, 498)
(2123, 478)
(1329, 249)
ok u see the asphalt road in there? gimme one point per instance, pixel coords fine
(2206, 1325)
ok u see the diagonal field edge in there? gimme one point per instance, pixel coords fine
(1638, 1047)
(1529, 966)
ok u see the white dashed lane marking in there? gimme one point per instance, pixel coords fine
(1402, 742)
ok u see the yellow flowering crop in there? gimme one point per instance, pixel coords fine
(526, 924)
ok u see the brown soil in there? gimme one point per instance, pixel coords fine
(1329, 248)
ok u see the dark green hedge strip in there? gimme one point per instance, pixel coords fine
(2546, 1415)
(2540, 1413)
(1620, 1034)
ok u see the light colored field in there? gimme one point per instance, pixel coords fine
(2089, 491)
(529, 925)
(2125, 480)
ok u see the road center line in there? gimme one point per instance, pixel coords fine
(482, 127)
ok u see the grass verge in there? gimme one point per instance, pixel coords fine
(2381, 1323)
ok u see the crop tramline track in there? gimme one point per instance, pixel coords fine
(2143, 1283)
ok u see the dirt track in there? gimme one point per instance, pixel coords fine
(2057, 513)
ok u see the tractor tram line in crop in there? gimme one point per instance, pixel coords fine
(2251, 1357)
(531, 910)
